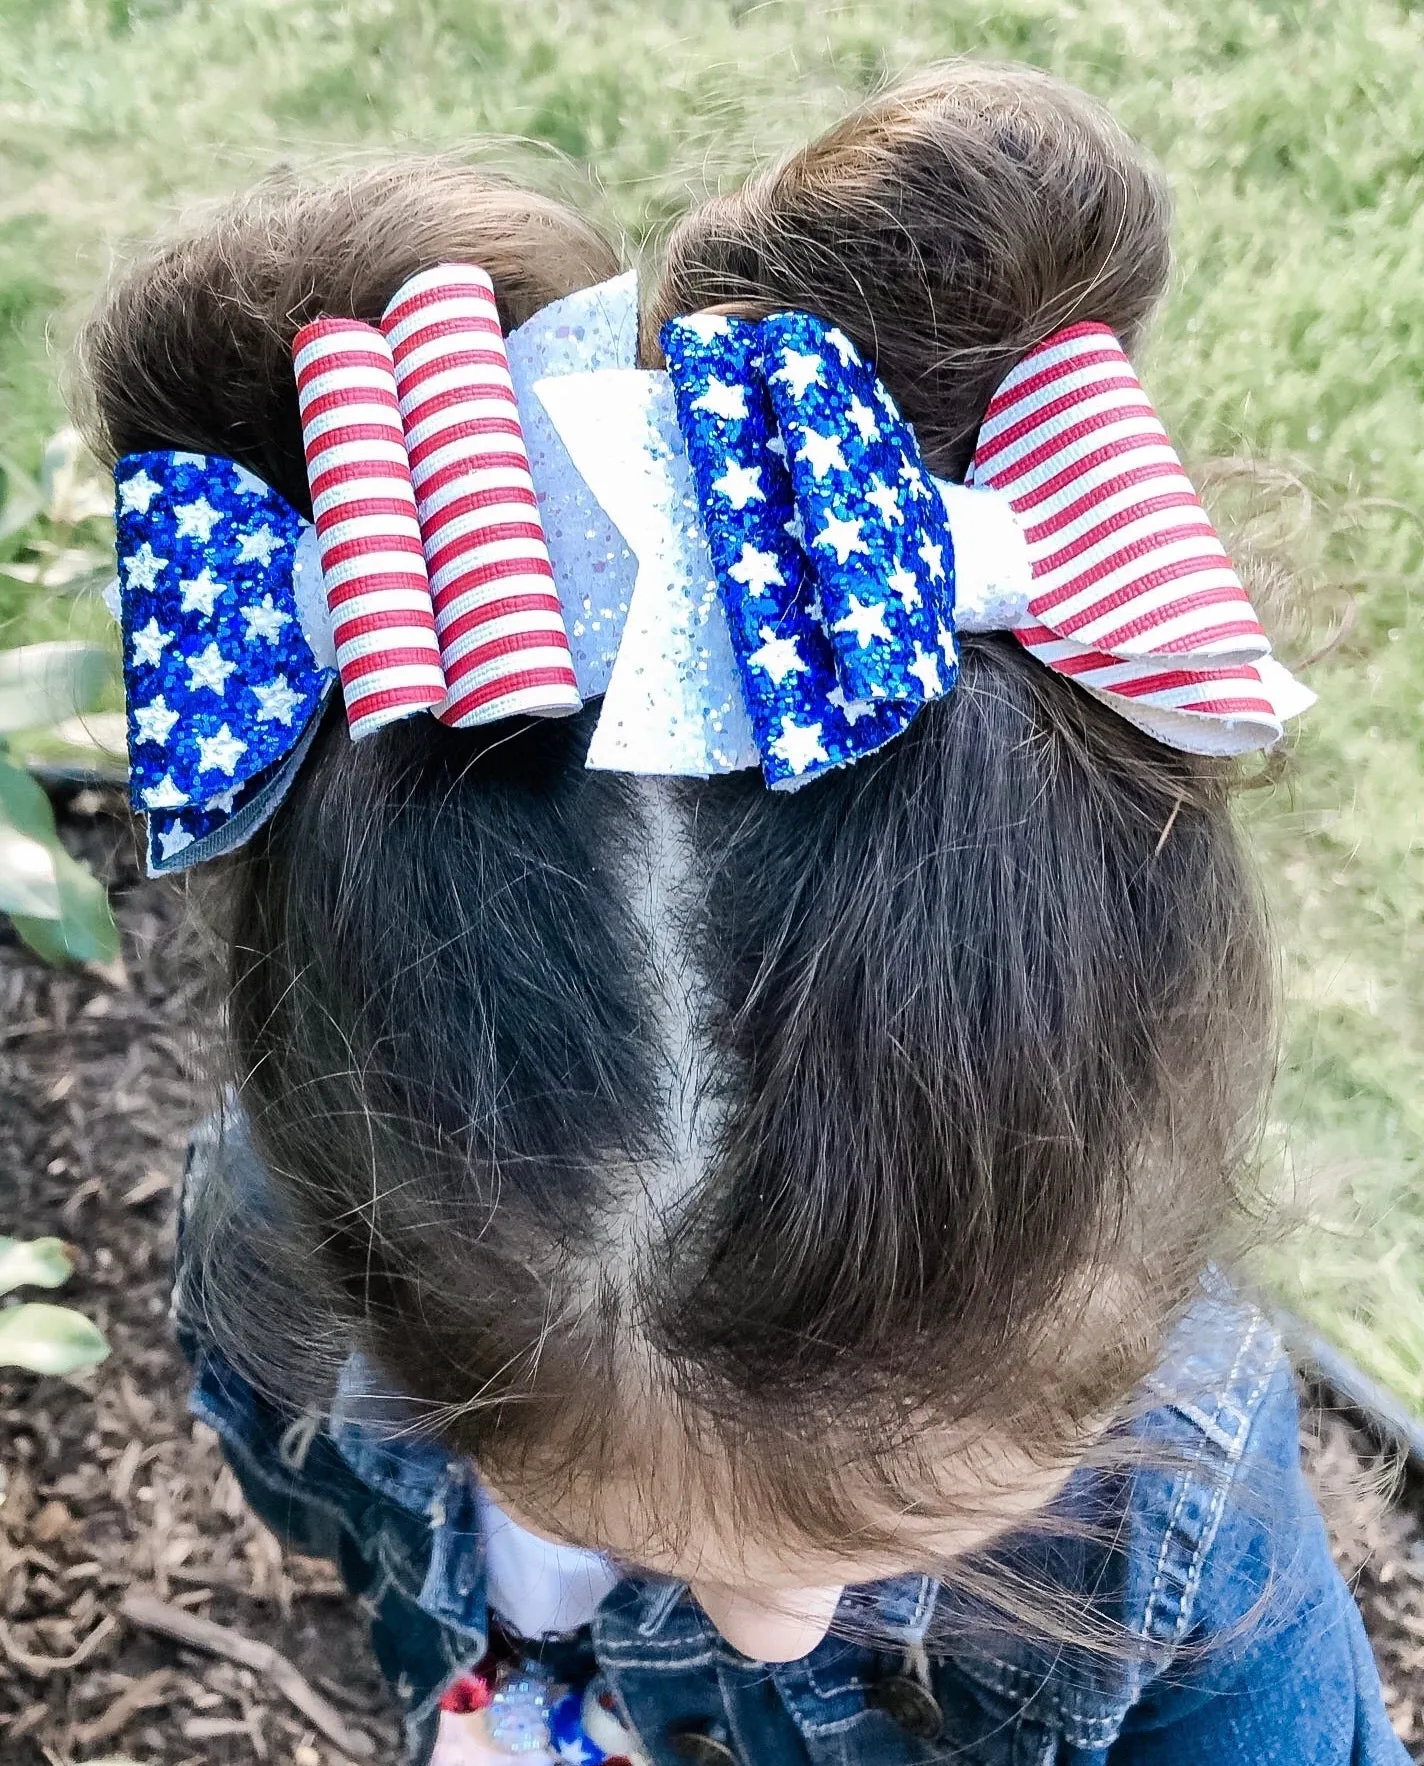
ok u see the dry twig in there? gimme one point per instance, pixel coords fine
(33, 1664)
(220, 1640)
(141, 1695)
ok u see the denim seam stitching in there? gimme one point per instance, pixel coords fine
(1213, 1521)
(1189, 1487)
(1017, 1682)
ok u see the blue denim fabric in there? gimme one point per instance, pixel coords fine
(1244, 1645)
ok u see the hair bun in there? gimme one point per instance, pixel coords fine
(947, 226)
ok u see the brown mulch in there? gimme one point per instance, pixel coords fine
(1376, 1520)
(106, 1484)
(109, 1489)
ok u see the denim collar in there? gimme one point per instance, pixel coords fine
(378, 1435)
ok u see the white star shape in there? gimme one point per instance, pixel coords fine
(933, 554)
(226, 801)
(264, 620)
(843, 346)
(913, 477)
(867, 622)
(705, 325)
(863, 418)
(200, 592)
(887, 404)
(925, 669)
(136, 493)
(799, 745)
(164, 795)
(171, 841)
(796, 527)
(211, 669)
(887, 500)
(196, 521)
(843, 534)
(801, 371)
(574, 1751)
(778, 656)
(150, 642)
(248, 484)
(822, 451)
(757, 570)
(189, 459)
(852, 710)
(277, 700)
(776, 444)
(154, 722)
(258, 546)
(740, 484)
(143, 568)
(726, 402)
(907, 586)
(220, 753)
(945, 634)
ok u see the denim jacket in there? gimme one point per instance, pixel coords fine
(1241, 1642)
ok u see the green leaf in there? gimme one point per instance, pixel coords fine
(73, 490)
(97, 744)
(82, 930)
(61, 567)
(22, 502)
(24, 806)
(105, 732)
(33, 1263)
(42, 684)
(28, 884)
(49, 1339)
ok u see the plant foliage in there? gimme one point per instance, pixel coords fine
(36, 1336)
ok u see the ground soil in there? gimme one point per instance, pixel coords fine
(108, 1488)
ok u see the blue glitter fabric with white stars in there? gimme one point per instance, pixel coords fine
(220, 680)
(830, 542)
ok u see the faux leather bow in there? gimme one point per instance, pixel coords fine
(426, 584)
(752, 561)
(1133, 595)
(831, 545)
(432, 549)
(837, 567)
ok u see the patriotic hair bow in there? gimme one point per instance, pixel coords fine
(427, 582)
(744, 556)
(844, 569)
(831, 547)
(1133, 595)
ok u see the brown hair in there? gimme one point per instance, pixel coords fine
(973, 1035)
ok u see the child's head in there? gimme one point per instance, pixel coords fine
(775, 1190)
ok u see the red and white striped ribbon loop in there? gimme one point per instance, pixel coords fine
(1133, 594)
(1234, 709)
(368, 532)
(501, 631)
(1124, 557)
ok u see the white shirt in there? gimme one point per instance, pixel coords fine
(538, 1589)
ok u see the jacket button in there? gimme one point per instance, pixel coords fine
(912, 1706)
(704, 1744)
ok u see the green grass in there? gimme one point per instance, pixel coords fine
(1294, 136)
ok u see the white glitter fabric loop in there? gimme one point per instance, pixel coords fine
(993, 579)
(673, 703)
(596, 328)
(309, 592)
